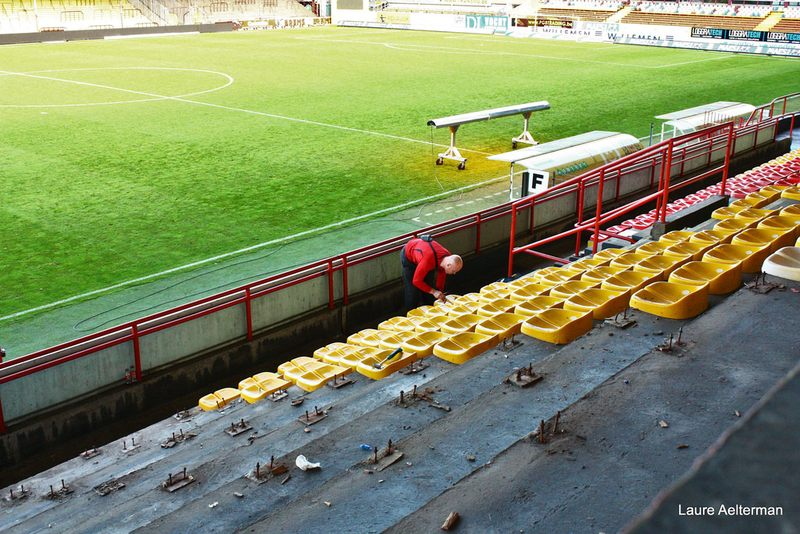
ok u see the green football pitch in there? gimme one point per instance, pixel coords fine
(119, 159)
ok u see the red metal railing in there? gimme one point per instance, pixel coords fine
(135, 330)
(779, 106)
(674, 152)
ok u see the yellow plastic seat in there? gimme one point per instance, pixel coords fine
(503, 289)
(749, 257)
(659, 266)
(671, 300)
(784, 263)
(422, 344)
(397, 324)
(653, 247)
(311, 375)
(753, 200)
(368, 337)
(558, 326)
(528, 292)
(690, 251)
(628, 281)
(456, 310)
(526, 282)
(727, 212)
(573, 287)
(552, 276)
(463, 347)
(773, 192)
(598, 274)
(364, 362)
(503, 325)
(426, 312)
(792, 193)
(791, 211)
(722, 278)
(779, 222)
(538, 304)
(462, 323)
(496, 307)
(629, 259)
(333, 352)
(219, 399)
(676, 236)
(470, 299)
(433, 324)
(602, 303)
(609, 253)
(396, 340)
(262, 385)
(733, 226)
(584, 264)
(711, 237)
(753, 215)
(774, 238)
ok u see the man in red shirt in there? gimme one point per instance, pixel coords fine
(421, 257)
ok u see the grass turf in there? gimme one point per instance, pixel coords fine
(94, 193)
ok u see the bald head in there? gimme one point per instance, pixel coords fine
(452, 264)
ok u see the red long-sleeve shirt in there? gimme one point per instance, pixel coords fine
(420, 253)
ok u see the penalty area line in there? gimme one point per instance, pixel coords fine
(251, 248)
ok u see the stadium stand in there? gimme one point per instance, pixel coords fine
(689, 20)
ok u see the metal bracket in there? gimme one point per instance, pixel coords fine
(109, 487)
(381, 461)
(176, 482)
(340, 381)
(416, 367)
(90, 453)
(20, 495)
(238, 428)
(177, 438)
(63, 491)
(279, 395)
(259, 475)
(525, 136)
(524, 377)
(314, 417)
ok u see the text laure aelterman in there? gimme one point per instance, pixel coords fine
(734, 510)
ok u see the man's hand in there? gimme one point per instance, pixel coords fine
(439, 295)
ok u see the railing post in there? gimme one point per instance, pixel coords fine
(478, 235)
(330, 285)
(2, 418)
(619, 181)
(728, 150)
(248, 313)
(579, 233)
(512, 239)
(667, 173)
(137, 353)
(531, 222)
(599, 211)
(345, 296)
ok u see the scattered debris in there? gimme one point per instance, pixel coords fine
(176, 482)
(238, 428)
(285, 480)
(470, 457)
(108, 487)
(180, 437)
(663, 424)
(297, 401)
(306, 430)
(237, 494)
(369, 471)
(380, 481)
(682, 446)
(327, 503)
(213, 504)
(736, 413)
(302, 462)
(451, 521)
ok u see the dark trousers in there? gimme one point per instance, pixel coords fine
(413, 296)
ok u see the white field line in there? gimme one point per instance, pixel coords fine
(254, 247)
(409, 47)
(240, 110)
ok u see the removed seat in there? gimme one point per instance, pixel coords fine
(784, 263)
(722, 278)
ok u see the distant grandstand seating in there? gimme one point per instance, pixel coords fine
(19, 16)
(593, 15)
(702, 8)
(787, 26)
(680, 19)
